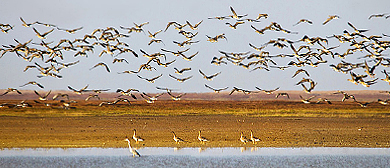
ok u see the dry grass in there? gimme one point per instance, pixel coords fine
(179, 108)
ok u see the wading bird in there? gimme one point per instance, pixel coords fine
(201, 139)
(253, 138)
(243, 139)
(177, 139)
(137, 138)
(132, 151)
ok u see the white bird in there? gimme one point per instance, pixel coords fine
(243, 138)
(137, 138)
(202, 139)
(254, 139)
(177, 139)
(44, 97)
(133, 151)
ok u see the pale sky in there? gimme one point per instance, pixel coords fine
(90, 15)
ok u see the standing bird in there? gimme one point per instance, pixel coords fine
(254, 139)
(202, 139)
(137, 138)
(243, 138)
(133, 151)
(177, 139)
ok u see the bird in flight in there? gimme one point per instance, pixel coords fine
(215, 90)
(303, 21)
(79, 92)
(331, 17)
(101, 64)
(235, 16)
(181, 71)
(42, 36)
(151, 80)
(33, 83)
(180, 79)
(210, 77)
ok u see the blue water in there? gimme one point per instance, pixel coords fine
(196, 157)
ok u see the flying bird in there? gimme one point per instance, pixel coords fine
(303, 21)
(300, 71)
(176, 98)
(11, 90)
(235, 16)
(180, 79)
(331, 17)
(194, 27)
(44, 97)
(79, 92)
(153, 35)
(181, 71)
(71, 31)
(268, 91)
(33, 83)
(215, 90)
(210, 77)
(282, 94)
(151, 80)
(42, 36)
(101, 64)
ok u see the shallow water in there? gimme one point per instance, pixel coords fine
(197, 157)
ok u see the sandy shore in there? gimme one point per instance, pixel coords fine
(222, 130)
(276, 123)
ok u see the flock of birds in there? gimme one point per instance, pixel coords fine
(48, 56)
(177, 140)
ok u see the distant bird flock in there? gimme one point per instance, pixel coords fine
(48, 57)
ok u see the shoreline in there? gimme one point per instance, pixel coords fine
(276, 123)
(280, 132)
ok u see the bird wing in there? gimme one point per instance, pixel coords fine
(37, 93)
(156, 77)
(47, 94)
(173, 77)
(204, 75)
(105, 65)
(85, 87)
(207, 86)
(234, 12)
(69, 87)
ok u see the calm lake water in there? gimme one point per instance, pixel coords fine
(196, 157)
